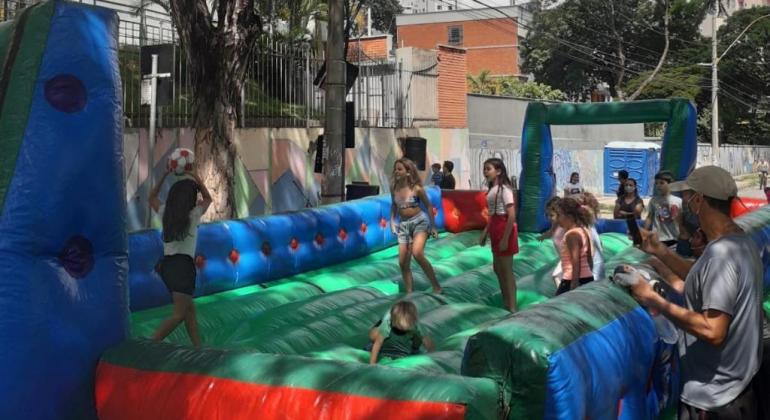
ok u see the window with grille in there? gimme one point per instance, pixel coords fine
(455, 35)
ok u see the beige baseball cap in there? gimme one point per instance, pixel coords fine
(711, 181)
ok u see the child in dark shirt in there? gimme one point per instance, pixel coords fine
(437, 176)
(397, 334)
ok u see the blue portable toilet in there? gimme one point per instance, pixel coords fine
(640, 158)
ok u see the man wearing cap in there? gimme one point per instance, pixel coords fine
(721, 342)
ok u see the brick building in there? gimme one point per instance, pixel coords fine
(370, 48)
(490, 39)
(452, 87)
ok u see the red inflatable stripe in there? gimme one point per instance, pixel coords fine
(741, 206)
(125, 393)
(464, 210)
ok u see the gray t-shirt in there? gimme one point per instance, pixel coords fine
(663, 211)
(727, 278)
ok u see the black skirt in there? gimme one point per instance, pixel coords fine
(178, 273)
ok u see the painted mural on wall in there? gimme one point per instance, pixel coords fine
(274, 169)
(738, 160)
(589, 163)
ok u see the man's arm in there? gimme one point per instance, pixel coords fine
(668, 276)
(710, 325)
(652, 245)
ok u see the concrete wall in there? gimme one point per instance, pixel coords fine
(495, 125)
(739, 160)
(274, 171)
(420, 91)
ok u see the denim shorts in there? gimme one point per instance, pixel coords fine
(408, 228)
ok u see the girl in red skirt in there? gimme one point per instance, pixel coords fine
(501, 228)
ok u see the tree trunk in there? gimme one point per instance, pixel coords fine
(215, 164)
(647, 81)
(217, 56)
(621, 70)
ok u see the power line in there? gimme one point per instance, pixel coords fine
(592, 53)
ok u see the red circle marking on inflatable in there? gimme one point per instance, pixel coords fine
(234, 256)
(319, 239)
(294, 244)
(363, 227)
(383, 223)
(343, 234)
(266, 250)
(200, 261)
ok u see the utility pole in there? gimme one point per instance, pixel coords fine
(714, 90)
(153, 77)
(333, 183)
(715, 59)
(368, 20)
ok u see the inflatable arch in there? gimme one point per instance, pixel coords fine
(536, 181)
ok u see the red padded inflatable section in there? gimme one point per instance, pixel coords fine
(741, 206)
(128, 394)
(464, 210)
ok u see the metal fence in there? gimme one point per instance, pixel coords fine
(10, 8)
(386, 95)
(278, 89)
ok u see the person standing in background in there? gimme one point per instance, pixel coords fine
(448, 180)
(574, 187)
(663, 210)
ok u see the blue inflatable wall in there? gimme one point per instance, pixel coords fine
(63, 256)
(237, 253)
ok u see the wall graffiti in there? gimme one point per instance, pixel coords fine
(274, 171)
(736, 159)
(589, 163)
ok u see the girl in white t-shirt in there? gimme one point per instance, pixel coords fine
(574, 187)
(181, 215)
(501, 228)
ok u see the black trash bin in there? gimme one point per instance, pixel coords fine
(356, 190)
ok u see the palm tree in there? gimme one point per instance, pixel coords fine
(483, 84)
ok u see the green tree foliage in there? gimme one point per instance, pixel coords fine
(744, 78)
(511, 86)
(673, 82)
(384, 14)
(577, 44)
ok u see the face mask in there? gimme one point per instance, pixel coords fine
(689, 212)
(630, 189)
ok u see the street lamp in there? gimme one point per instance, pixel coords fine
(715, 81)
